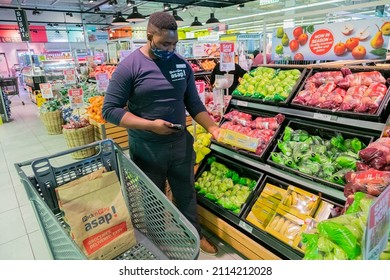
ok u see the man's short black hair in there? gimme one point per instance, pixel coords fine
(255, 52)
(162, 20)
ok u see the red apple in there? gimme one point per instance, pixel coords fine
(303, 39)
(340, 49)
(297, 32)
(298, 56)
(359, 52)
(294, 45)
(351, 43)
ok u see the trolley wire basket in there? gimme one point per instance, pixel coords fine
(162, 232)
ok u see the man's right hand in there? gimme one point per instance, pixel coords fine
(162, 127)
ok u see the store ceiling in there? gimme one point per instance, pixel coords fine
(249, 17)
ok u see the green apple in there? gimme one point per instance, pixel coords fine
(279, 49)
(279, 32)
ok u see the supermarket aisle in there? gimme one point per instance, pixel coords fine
(22, 139)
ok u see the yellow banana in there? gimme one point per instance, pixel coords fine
(279, 225)
(274, 222)
(285, 226)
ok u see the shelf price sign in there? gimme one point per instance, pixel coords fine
(378, 225)
(70, 76)
(76, 97)
(227, 57)
(102, 81)
(46, 90)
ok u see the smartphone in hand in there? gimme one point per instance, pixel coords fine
(177, 126)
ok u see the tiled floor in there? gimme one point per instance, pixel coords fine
(26, 138)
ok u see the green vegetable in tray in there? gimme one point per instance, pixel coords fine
(338, 142)
(357, 145)
(319, 149)
(346, 161)
(328, 169)
(299, 135)
(314, 167)
(287, 134)
(305, 169)
(290, 163)
(277, 158)
(338, 177)
(284, 147)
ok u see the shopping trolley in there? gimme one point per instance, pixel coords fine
(10, 87)
(162, 232)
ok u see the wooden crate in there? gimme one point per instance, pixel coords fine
(108, 130)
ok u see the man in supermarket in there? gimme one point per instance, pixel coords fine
(258, 58)
(158, 86)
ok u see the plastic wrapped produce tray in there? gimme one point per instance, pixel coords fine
(380, 114)
(162, 231)
(297, 85)
(241, 169)
(324, 132)
(257, 113)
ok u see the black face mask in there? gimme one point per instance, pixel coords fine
(163, 55)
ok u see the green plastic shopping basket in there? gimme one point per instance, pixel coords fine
(162, 232)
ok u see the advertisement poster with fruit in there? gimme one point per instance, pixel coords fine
(205, 49)
(227, 57)
(46, 90)
(378, 223)
(363, 39)
(76, 97)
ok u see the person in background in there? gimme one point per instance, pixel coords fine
(158, 86)
(238, 73)
(259, 59)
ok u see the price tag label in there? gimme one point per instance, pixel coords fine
(102, 81)
(201, 88)
(377, 230)
(242, 103)
(46, 90)
(322, 117)
(70, 76)
(76, 97)
(245, 226)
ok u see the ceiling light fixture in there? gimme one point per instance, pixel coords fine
(185, 8)
(119, 19)
(212, 19)
(97, 9)
(196, 22)
(176, 16)
(113, 2)
(130, 3)
(91, 1)
(240, 6)
(167, 7)
(135, 16)
(103, 16)
(69, 14)
(35, 11)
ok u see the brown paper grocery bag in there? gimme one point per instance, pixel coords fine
(96, 213)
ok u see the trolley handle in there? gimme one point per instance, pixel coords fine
(69, 151)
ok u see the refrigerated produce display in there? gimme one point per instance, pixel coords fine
(310, 167)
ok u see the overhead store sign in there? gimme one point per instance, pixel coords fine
(361, 39)
(21, 19)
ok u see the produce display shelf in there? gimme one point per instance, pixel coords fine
(294, 178)
(270, 242)
(381, 111)
(374, 127)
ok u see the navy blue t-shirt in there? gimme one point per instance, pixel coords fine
(152, 89)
